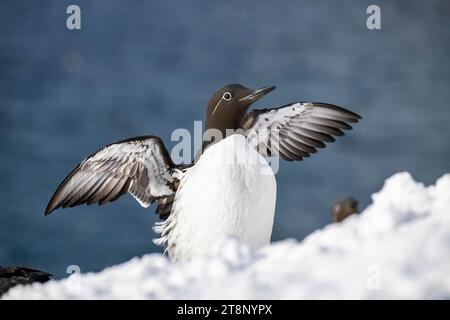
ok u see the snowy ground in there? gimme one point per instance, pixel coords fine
(399, 247)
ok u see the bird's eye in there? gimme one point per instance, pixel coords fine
(226, 96)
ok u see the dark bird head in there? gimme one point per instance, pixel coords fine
(228, 105)
(344, 208)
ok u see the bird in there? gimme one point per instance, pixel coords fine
(15, 275)
(228, 190)
(344, 208)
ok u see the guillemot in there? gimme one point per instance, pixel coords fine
(16, 275)
(344, 208)
(209, 199)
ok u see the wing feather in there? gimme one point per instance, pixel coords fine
(140, 166)
(296, 130)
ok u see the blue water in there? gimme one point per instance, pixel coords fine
(147, 67)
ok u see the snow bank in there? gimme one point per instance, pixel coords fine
(399, 247)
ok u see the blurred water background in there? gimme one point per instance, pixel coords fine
(148, 67)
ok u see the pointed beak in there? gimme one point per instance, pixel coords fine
(257, 94)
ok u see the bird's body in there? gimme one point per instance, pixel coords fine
(19, 275)
(229, 191)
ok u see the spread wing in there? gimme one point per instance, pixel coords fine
(296, 130)
(140, 166)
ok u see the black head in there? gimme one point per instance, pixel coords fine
(344, 208)
(227, 106)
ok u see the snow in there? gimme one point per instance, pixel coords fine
(398, 247)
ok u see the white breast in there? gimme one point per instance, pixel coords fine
(230, 192)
